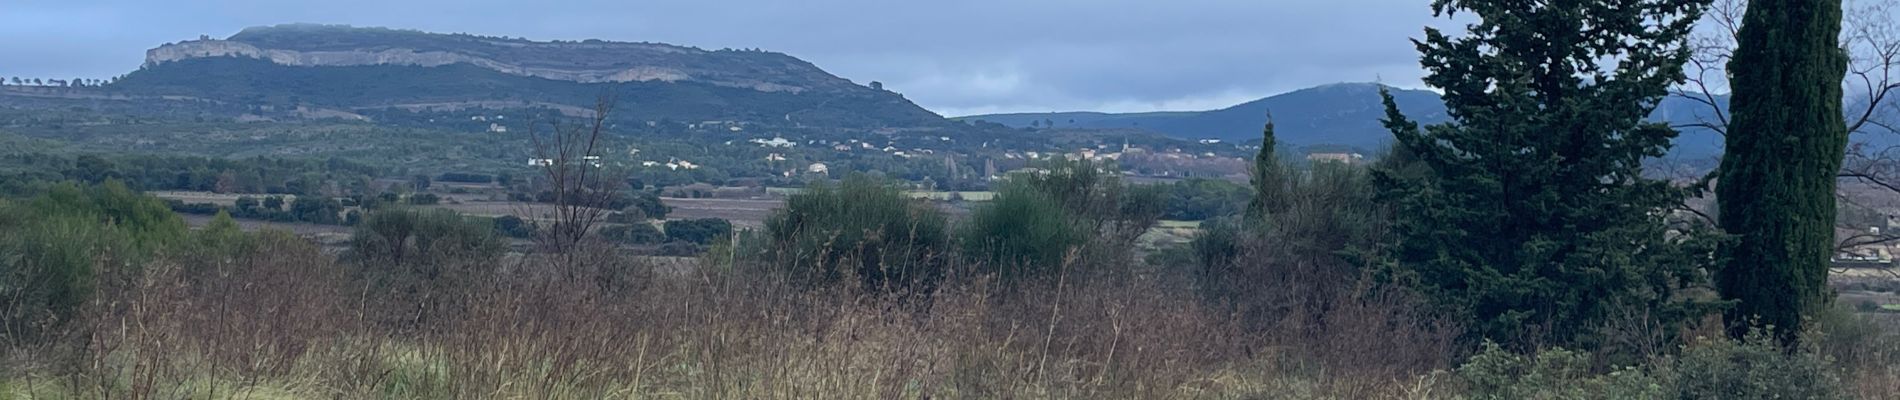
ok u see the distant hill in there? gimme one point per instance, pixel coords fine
(1336, 114)
(1343, 113)
(349, 70)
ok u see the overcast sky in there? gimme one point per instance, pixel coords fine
(956, 57)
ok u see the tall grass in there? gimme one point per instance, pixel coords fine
(282, 320)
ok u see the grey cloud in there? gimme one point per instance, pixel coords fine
(954, 57)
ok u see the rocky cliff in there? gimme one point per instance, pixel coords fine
(590, 61)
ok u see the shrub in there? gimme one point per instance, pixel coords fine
(424, 199)
(514, 227)
(1753, 368)
(636, 233)
(1076, 212)
(52, 247)
(1498, 374)
(698, 231)
(316, 210)
(416, 237)
(1022, 233)
(861, 229)
(464, 177)
(421, 259)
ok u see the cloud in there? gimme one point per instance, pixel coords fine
(953, 57)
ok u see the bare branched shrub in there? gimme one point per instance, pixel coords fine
(569, 156)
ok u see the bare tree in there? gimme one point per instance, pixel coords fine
(569, 155)
(1871, 37)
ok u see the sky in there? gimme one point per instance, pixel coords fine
(955, 57)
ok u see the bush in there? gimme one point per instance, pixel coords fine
(422, 260)
(1753, 368)
(636, 233)
(52, 248)
(1076, 212)
(860, 229)
(415, 237)
(1022, 233)
(424, 199)
(316, 210)
(464, 177)
(514, 227)
(1497, 374)
(698, 231)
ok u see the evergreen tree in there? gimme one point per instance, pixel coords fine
(1528, 216)
(1269, 178)
(1785, 144)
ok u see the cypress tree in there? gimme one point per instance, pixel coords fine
(1785, 143)
(1528, 215)
(1269, 179)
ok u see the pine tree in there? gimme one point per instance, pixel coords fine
(1528, 215)
(1785, 144)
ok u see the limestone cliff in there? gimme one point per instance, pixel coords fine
(590, 61)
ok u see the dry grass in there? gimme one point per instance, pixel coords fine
(285, 321)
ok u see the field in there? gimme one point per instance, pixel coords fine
(221, 199)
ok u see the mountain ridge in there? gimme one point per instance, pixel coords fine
(591, 61)
(1347, 113)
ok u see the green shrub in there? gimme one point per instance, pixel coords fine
(1071, 213)
(512, 226)
(404, 237)
(860, 229)
(424, 199)
(51, 250)
(1022, 233)
(424, 263)
(698, 231)
(1555, 374)
(637, 233)
(1754, 368)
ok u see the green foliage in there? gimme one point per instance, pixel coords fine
(1755, 367)
(1269, 178)
(1723, 369)
(423, 241)
(318, 210)
(1532, 221)
(53, 249)
(1786, 141)
(165, 172)
(514, 227)
(647, 204)
(1556, 374)
(860, 229)
(1022, 233)
(424, 199)
(1072, 212)
(698, 231)
(1201, 199)
(1310, 244)
(636, 233)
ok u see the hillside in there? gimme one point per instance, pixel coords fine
(1336, 114)
(1342, 114)
(352, 72)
